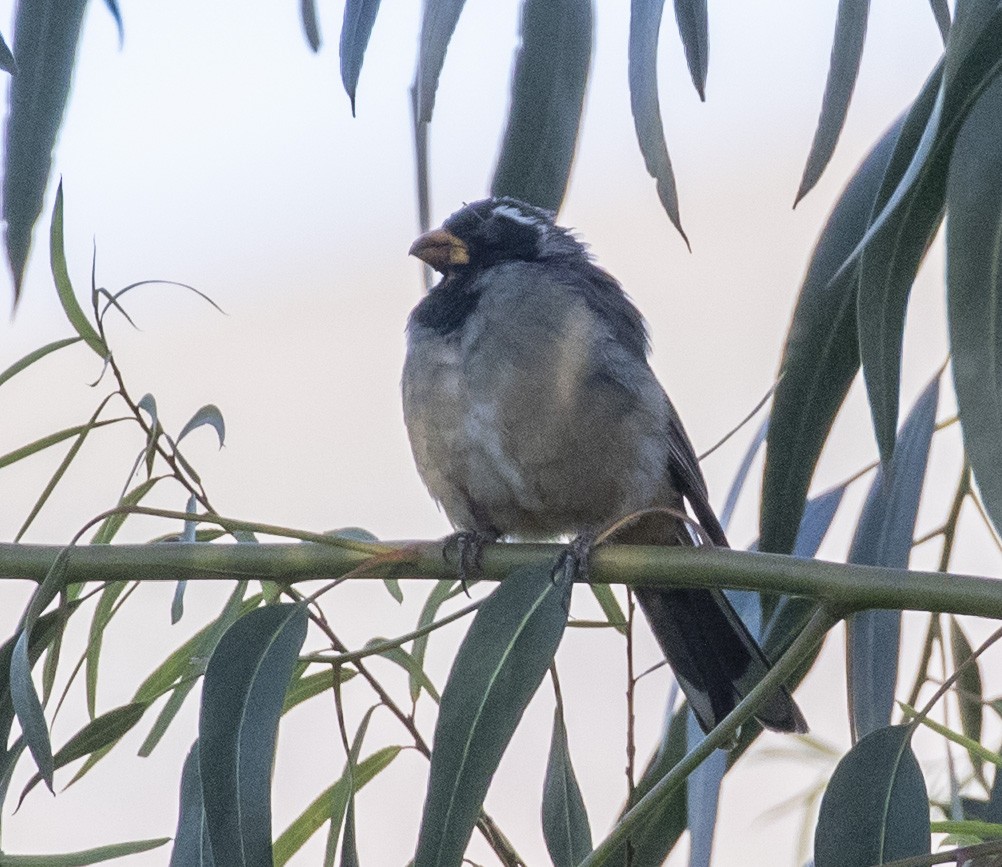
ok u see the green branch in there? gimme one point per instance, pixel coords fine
(845, 587)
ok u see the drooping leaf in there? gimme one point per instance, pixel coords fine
(847, 51)
(332, 800)
(110, 526)
(645, 24)
(45, 47)
(565, 819)
(884, 538)
(103, 613)
(242, 695)
(969, 693)
(817, 519)
(876, 807)
(894, 245)
(941, 11)
(64, 287)
(311, 29)
(53, 439)
(207, 415)
(440, 592)
(610, 606)
(359, 16)
(187, 536)
(702, 798)
(498, 668)
(32, 357)
(547, 97)
(306, 686)
(106, 729)
(693, 27)
(85, 857)
(191, 839)
(820, 358)
(116, 14)
(437, 26)
(974, 291)
(407, 662)
(741, 476)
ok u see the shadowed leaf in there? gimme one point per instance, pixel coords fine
(847, 51)
(547, 97)
(359, 16)
(191, 839)
(565, 819)
(45, 47)
(876, 807)
(884, 538)
(693, 28)
(645, 24)
(311, 29)
(242, 694)
(437, 26)
(498, 668)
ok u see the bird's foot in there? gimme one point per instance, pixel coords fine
(466, 549)
(573, 562)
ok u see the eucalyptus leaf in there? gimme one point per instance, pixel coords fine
(645, 25)
(693, 28)
(847, 52)
(242, 694)
(437, 26)
(498, 668)
(359, 17)
(547, 98)
(565, 819)
(311, 29)
(191, 839)
(45, 47)
(876, 807)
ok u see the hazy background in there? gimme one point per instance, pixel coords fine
(214, 148)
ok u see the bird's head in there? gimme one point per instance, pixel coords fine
(492, 231)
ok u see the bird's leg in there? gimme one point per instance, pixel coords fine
(467, 547)
(573, 561)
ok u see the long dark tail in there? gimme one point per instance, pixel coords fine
(714, 657)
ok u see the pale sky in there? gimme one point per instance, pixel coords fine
(217, 150)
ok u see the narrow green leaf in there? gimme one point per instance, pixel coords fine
(820, 358)
(974, 291)
(187, 536)
(645, 25)
(941, 12)
(100, 732)
(29, 709)
(45, 46)
(392, 586)
(547, 97)
(191, 842)
(847, 51)
(306, 686)
(693, 28)
(437, 26)
(407, 662)
(968, 684)
(610, 606)
(359, 16)
(34, 356)
(969, 828)
(329, 802)
(883, 537)
(103, 612)
(110, 526)
(242, 694)
(194, 664)
(311, 29)
(977, 750)
(440, 592)
(64, 288)
(178, 673)
(85, 857)
(498, 668)
(64, 465)
(52, 439)
(876, 807)
(207, 415)
(565, 819)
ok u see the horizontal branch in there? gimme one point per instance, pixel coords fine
(844, 587)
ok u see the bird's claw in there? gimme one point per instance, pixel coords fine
(574, 561)
(467, 547)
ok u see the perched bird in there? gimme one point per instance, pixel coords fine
(533, 413)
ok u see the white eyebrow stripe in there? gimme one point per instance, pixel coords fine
(517, 215)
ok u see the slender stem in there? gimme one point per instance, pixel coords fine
(818, 626)
(631, 687)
